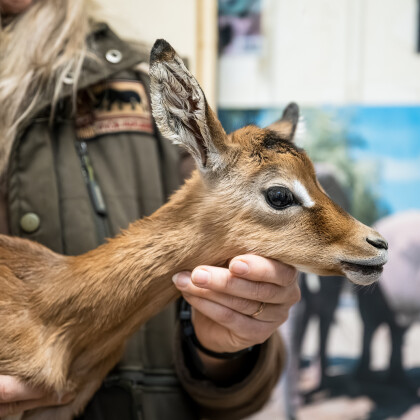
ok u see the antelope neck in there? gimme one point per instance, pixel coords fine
(134, 270)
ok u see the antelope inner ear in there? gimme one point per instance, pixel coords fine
(285, 127)
(181, 111)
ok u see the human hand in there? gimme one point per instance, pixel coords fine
(240, 306)
(17, 397)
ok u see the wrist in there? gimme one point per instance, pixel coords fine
(222, 368)
(188, 332)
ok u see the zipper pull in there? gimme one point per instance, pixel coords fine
(94, 189)
(97, 197)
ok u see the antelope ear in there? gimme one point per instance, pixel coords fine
(286, 125)
(181, 110)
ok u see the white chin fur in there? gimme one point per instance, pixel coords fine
(362, 279)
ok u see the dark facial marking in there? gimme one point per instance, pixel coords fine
(324, 227)
(273, 141)
(259, 156)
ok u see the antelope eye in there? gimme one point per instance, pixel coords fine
(279, 197)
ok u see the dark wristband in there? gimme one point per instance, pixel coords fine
(189, 334)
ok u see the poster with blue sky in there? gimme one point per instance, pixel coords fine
(391, 137)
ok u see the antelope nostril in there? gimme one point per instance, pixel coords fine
(378, 243)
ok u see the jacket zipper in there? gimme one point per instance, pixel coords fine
(95, 192)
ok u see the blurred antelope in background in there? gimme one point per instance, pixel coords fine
(65, 319)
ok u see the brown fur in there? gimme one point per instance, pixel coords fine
(65, 319)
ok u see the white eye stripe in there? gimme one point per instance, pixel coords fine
(302, 194)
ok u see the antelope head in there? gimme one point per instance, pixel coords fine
(260, 189)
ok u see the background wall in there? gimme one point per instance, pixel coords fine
(189, 25)
(328, 52)
(147, 20)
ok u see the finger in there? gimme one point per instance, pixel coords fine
(243, 327)
(12, 389)
(222, 280)
(21, 406)
(256, 268)
(271, 313)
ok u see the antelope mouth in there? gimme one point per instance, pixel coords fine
(362, 273)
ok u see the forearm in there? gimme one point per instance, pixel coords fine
(222, 371)
(221, 398)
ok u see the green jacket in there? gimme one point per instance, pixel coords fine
(83, 178)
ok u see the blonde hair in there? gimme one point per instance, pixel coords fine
(38, 49)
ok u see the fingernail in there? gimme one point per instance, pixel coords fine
(239, 267)
(181, 280)
(200, 277)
